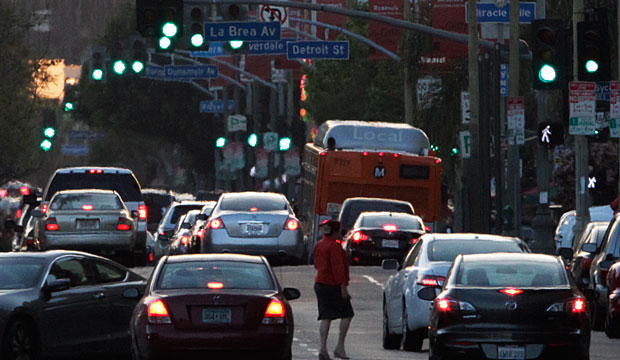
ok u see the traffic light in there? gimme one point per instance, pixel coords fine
(549, 54)
(117, 57)
(550, 134)
(137, 54)
(253, 140)
(194, 37)
(234, 12)
(97, 64)
(162, 20)
(593, 51)
(70, 97)
(220, 142)
(147, 17)
(49, 129)
(284, 143)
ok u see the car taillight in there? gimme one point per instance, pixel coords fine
(51, 225)
(151, 257)
(18, 213)
(253, 209)
(201, 233)
(142, 212)
(427, 228)
(390, 227)
(274, 314)
(184, 240)
(359, 236)
(292, 225)
(431, 280)
(24, 190)
(215, 224)
(87, 207)
(511, 291)
(157, 313)
(124, 224)
(95, 171)
(575, 305)
(44, 208)
(215, 285)
(3, 193)
(449, 305)
(414, 241)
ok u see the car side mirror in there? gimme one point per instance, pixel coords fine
(291, 293)
(131, 293)
(201, 217)
(389, 264)
(9, 224)
(589, 247)
(566, 253)
(54, 285)
(36, 213)
(427, 293)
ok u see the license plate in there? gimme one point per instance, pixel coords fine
(253, 228)
(390, 244)
(216, 316)
(510, 352)
(87, 224)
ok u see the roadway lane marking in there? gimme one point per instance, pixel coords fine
(372, 280)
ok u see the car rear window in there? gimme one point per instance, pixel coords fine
(125, 185)
(253, 203)
(231, 274)
(20, 273)
(511, 273)
(447, 250)
(90, 201)
(354, 209)
(401, 222)
(181, 210)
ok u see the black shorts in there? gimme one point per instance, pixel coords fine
(331, 303)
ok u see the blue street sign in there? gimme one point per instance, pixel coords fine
(268, 47)
(155, 72)
(490, 13)
(187, 72)
(216, 48)
(75, 150)
(215, 106)
(503, 80)
(246, 31)
(337, 50)
(602, 91)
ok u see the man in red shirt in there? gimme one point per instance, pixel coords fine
(330, 286)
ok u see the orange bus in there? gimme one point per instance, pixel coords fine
(367, 159)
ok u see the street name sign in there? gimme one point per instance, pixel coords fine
(465, 138)
(503, 80)
(602, 91)
(75, 150)
(155, 72)
(188, 72)
(246, 31)
(273, 13)
(614, 109)
(216, 106)
(491, 13)
(277, 47)
(216, 48)
(582, 108)
(465, 117)
(515, 111)
(335, 50)
(237, 123)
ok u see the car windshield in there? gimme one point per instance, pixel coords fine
(356, 208)
(125, 185)
(86, 201)
(447, 250)
(253, 203)
(511, 273)
(231, 274)
(401, 222)
(20, 273)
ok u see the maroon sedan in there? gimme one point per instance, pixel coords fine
(197, 304)
(612, 321)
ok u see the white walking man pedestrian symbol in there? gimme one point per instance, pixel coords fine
(545, 134)
(591, 182)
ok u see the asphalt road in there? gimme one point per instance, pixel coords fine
(364, 339)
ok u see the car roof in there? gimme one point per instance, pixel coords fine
(467, 236)
(251, 193)
(388, 213)
(510, 257)
(369, 199)
(43, 254)
(106, 170)
(187, 202)
(82, 191)
(213, 257)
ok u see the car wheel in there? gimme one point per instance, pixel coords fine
(20, 342)
(390, 341)
(411, 340)
(612, 328)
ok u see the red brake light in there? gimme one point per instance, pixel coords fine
(44, 208)
(18, 213)
(214, 224)
(323, 153)
(396, 155)
(51, 225)
(184, 240)
(365, 153)
(414, 241)
(253, 209)
(444, 305)
(3, 192)
(578, 306)
(437, 161)
(95, 171)
(427, 228)
(511, 291)
(359, 236)
(201, 233)
(381, 154)
(275, 309)
(431, 280)
(87, 207)
(292, 225)
(215, 285)
(25, 190)
(124, 224)
(390, 227)
(142, 212)
(157, 312)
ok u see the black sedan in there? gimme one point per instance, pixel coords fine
(198, 304)
(508, 306)
(60, 303)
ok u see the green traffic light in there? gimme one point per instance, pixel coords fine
(547, 74)
(285, 143)
(68, 106)
(591, 66)
(220, 142)
(253, 140)
(235, 44)
(455, 150)
(49, 132)
(164, 42)
(46, 145)
(97, 74)
(119, 67)
(169, 29)
(197, 40)
(137, 66)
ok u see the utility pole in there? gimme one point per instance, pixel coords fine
(408, 91)
(581, 142)
(514, 166)
(473, 164)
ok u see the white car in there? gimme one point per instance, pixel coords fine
(405, 314)
(564, 231)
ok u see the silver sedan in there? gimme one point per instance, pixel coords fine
(255, 223)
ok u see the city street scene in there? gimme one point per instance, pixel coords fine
(309, 179)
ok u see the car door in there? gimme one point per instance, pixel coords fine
(397, 288)
(75, 320)
(114, 281)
